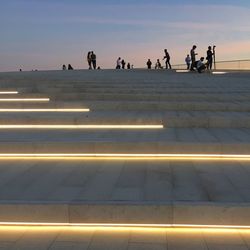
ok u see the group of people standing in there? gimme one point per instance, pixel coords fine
(191, 62)
(91, 58)
(65, 68)
(121, 64)
(200, 65)
(158, 63)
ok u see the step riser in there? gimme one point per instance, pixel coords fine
(144, 213)
(124, 148)
(130, 97)
(135, 106)
(142, 97)
(172, 122)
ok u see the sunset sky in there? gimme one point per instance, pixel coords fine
(44, 34)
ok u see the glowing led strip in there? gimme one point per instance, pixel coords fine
(126, 156)
(182, 71)
(8, 92)
(81, 126)
(25, 100)
(218, 73)
(113, 226)
(44, 110)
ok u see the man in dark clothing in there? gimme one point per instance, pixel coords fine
(93, 59)
(123, 64)
(167, 57)
(193, 54)
(89, 60)
(209, 58)
(70, 67)
(149, 64)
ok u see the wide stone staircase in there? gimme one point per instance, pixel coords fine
(125, 147)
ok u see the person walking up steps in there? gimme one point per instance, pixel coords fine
(167, 57)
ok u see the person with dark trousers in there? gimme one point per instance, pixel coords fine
(70, 67)
(158, 64)
(93, 59)
(193, 60)
(64, 67)
(200, 65)
(167, 57)
(89, 59)
(209, 58)
(188, 61)
(149, 64)
(128, 66)
(118, 63)
(123, 64)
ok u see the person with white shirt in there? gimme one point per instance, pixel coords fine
(118, 63)
(200, 65)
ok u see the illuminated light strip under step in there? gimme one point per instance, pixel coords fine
(219, 73)
(96, 156)
(127, 226)
(44, 110)
(81, 126)
(8, 92)
(24, 99)
(182, 71)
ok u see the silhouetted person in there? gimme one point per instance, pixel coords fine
(193, 54)
(123, 64)
(209, 58)
(89, 60)
(93, 59)
(128, 66)
(149, 64)
(20, 70)
(118, 63)
(70, 67)
(158, 64)
(167, 57)
(64, 67)
(200, 65)
(188, 61)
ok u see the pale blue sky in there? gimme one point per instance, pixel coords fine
(44, 34)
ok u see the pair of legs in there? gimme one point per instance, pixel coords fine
(193, 64)
(209, 64)
(168, 64)
(94, 64)
(201, 68)
(90, 64)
